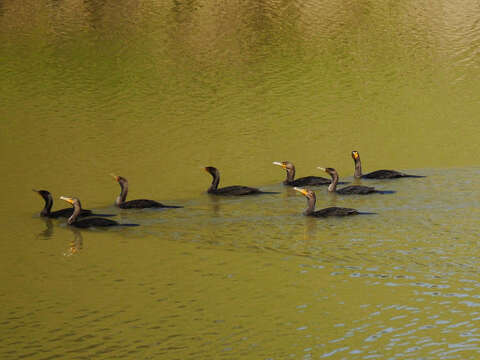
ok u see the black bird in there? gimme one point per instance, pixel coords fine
(352, 189)
(303, 181)
(89, 221)
(235, 190)
(379, 174)
(135, 204)
(46, 211)
(330, 211)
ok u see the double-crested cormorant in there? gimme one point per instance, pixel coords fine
(330, 211)
(235, 190)
(88, 221)
(46, 211)
(379, 174)
(303, 181)
(352, 189)
(135, 204)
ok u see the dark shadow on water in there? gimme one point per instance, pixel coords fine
(48, 232)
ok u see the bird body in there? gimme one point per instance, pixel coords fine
(309, 180)
(66, 213)
(334, 211)
(143, 204)
(236, 190)
(388, 174)
(356, 190)
(94, 222)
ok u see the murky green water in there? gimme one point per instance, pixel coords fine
(155, 91)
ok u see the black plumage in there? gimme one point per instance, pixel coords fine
(93, 222)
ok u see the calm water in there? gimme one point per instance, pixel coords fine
(156, 90)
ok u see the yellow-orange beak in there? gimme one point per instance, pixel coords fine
(355, 155)
(279, 164)
(114, 176)
(300, 190)
(67, 199)
(321, 168)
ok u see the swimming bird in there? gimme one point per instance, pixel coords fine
(379, 174)
(135, 204)
(303, 181)
(352, 189)
(330, 211)
(67, 212)
(235, 190)
(88, 221)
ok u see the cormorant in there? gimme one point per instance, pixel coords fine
(89, 221)
(235, 190)
(352, 189)
(379, 174)
(303, 181)
(135, 204)
(46, 211)
(330, 211)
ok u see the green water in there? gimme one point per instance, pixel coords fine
(155, 91)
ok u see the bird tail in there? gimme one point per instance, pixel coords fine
(386, 191)
(172, 206)
(129, 225)
(269, 192)
(414, 176)
(103, 215)
(366, 213)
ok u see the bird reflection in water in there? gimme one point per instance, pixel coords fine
(76, 244)
(215, 205)
(48, 231)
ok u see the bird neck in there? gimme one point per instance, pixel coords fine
(215, 182)
(310, 206)
(76, 211)
(123, 194)
(333, 185)
(290, 176)
(48, 205)
(358, 169)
